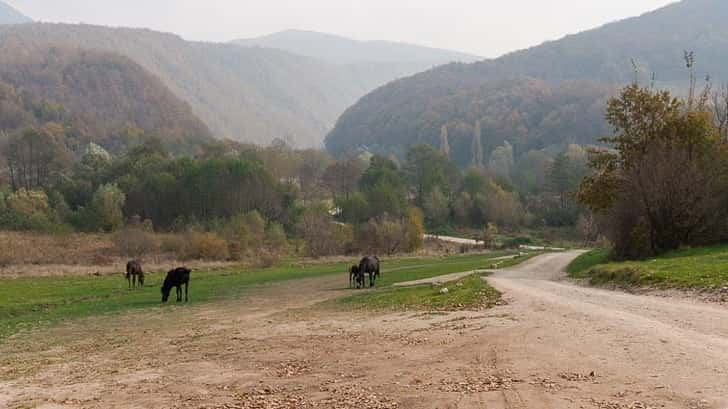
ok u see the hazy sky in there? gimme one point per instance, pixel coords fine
(484, 27)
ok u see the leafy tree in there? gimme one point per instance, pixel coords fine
(384, 188)
(342, 177)
(107, 208)
(26, 210)
(35, 158)
(559, 205)
(437, 208)
(424, 170)
(664, 183)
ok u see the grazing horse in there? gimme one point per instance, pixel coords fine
(354, 276)
(175, 278)
(134, 272)
(369, 265)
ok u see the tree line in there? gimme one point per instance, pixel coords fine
(331, 205)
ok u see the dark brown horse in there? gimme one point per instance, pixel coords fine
(369, 265)
(355, 277)
(134, 272)
(176, 278)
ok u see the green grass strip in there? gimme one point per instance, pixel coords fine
(29, 302)
(468, 293)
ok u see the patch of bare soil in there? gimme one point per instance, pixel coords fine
(553, 346)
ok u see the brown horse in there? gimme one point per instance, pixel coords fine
(134, 272)
(175, 279)
(355, 277)
(369, 265)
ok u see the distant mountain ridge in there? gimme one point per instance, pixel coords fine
(247, 94)
(9, 15)
(544, 97)
(341, 50)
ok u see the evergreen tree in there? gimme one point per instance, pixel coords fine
(477, 147)
(444, 142)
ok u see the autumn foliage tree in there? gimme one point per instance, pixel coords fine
(664, 182)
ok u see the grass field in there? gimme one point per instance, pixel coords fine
(29, 302)
(467, 293)
(586, 261)
(699, 268)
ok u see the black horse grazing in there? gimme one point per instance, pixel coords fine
(176, 278)
(134, 272)
(369, 265)
(356, 276)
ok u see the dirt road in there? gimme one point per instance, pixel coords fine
(554, 345)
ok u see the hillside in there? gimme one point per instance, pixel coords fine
(342, 50)
(98, 97)
(546, 95)
(245, 94)
(9, 15)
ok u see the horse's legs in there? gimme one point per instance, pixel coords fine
(187, 288)
(128, 280)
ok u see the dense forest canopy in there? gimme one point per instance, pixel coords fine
(529, 113)
(544, 97)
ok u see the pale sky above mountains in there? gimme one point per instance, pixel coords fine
(487, 28)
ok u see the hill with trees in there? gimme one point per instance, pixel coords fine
(9, 15)
(341, 50)
(92, 96)
(248, 94)
(545, 97)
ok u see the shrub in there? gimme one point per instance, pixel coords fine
(383, 235)
(322, 235)
(205, 246)
(172, 243)
(135, 242)
(266, 259)
(244, 232)
(415, 229)
(275, 237)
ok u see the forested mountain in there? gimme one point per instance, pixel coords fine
(245, 94)
(93, 97)
(9, 15)
(341, 50)
(554, 93)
